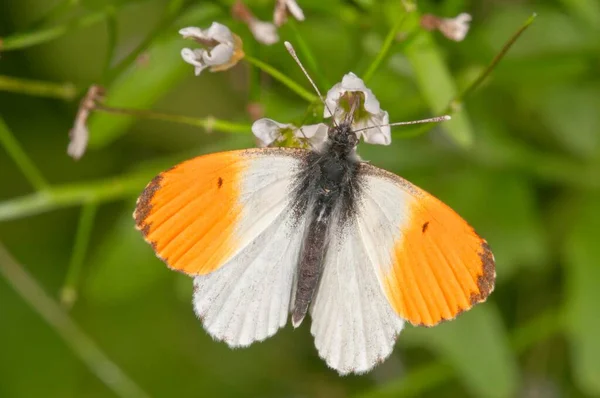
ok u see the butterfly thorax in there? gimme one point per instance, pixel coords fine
(341, 140)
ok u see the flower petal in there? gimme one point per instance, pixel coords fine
(216, 32)
(294, 9)
(79, 136)
(264, 32)
(220, 33)
(379, 132)
(219, 55)
(195, 58)
(191, 32)
(268, 130)
(315, 133)
(332, 98)
(456, 28)
(351, 82)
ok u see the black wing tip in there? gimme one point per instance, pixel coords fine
(143, 206)
(487, 279)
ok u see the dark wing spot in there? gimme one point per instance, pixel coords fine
(425, 226)
(219, 182)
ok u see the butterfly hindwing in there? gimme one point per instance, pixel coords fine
(352, 322)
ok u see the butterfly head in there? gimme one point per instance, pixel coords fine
(342, 138)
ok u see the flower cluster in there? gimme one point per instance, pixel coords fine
(347, 101)
(224, 49)
(453, 28)
(266, 32)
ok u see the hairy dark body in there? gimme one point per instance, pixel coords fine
(327, 190)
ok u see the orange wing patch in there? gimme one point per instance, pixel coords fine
(189, 212)
(441, 266)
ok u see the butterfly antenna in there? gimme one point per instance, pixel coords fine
(436, 119)
(292, 52)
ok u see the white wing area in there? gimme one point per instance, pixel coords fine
(354, 325)
(248, 298)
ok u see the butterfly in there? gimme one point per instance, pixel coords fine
(272, 233)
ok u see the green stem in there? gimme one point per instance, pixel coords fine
(29, 39)
(68, 293)
(79, 342)
(19, 156)
(112, 38)
(456, 101)
(38, 88)
(254, 77)
(385, 48)
(74, 194)
(170, 14)
(308, 56)
(208, 123)
(277, 75)
(56, 12)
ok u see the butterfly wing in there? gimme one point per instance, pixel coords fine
(222, 218)
(403, 254)
(352, 322)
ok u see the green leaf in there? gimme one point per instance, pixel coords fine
(582, 267)
(571, 115)
(586, 10)
(477, 346)
(438, 87)
(23, 40)
(123, 266)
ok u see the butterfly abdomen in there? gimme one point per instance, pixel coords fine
(311, 261)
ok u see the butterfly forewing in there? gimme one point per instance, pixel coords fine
(435, 265)
(225, 219)
(200, 213)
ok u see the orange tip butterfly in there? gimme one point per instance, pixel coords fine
(272, 233)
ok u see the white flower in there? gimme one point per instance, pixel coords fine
(269, 131)
(224, 48)
(264, 32)
(283, 7)
(453, 28)
(351, 100)
(79, 134)
(456, 28)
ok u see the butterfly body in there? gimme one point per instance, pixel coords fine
(328, 187)
(270, 232)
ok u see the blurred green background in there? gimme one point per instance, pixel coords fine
(520, 161)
